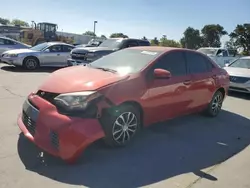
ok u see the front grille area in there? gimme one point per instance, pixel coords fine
(29, 124)
(48, 96)
(238, 79)
(79, 56)
(54, 140)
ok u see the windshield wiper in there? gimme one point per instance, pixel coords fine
(105, 69)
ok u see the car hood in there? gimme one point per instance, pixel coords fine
(79, 78)
(19, 51)
(234, 71)
(90, 49)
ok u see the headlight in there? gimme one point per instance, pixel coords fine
(13, 55)
(91, 54)
(77, 101)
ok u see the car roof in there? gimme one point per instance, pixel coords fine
(53, 43)
(120, 38)
(245, 57)
(215, 48)
(160, 48)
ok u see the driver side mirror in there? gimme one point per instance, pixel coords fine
(161, 74)
(47, 50)
(227, 64)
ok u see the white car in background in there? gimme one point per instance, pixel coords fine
(221, 56)
(239, 74)
(9, 44)
(49, 54)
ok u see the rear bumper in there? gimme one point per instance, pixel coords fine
(57, 134)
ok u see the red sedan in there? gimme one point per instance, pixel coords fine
(115, 96)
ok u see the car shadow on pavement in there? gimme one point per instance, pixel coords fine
(183, 145)
(20, 69)
(235, 94)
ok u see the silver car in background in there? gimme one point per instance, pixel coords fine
(239, 74)
(49, 54)
(9, 44)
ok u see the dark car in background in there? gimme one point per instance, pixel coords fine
(85, 55)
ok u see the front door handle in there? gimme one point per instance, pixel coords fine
(58, 54)
(214, 76)
(187, 82)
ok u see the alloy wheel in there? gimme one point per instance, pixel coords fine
(124, 127)
(217, 103)
(31, 64)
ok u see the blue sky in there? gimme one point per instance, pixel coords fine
(136, 18)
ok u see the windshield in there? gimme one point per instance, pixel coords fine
(241, 63)
(40, 47)
(111, 43)
(126, 61)
(209, 51)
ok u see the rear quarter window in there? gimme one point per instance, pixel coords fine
(144, 43)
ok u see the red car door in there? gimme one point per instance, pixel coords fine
(202, 78)
(168, 97)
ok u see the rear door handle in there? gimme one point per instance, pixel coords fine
(187, 82)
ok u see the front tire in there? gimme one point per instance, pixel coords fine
(121, 124)
(30, 63)
(215, 105)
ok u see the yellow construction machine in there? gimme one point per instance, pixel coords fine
(42, 32)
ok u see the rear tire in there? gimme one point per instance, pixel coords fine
(121, 124)
(30, 63)
(215, 105)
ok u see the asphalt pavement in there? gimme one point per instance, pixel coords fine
(187, 152)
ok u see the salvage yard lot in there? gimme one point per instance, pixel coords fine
(171, 154)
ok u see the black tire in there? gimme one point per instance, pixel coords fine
(30, 63)
(117, 135)
(215, 105)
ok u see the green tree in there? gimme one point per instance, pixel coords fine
(118, 35)
(103, 37)
(241, 36)
(169, 43)
(191, 39)
(154, 42)
(90, 33)
(19, 22)
(212, 34)
(4, 21)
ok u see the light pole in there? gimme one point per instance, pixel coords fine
(95, 22)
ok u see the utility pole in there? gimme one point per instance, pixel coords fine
(95, 22)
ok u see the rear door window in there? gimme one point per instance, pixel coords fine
(67, 48)
(9, 42)
(55, 48)
(197, 63)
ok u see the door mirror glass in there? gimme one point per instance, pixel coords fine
(161, 73)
